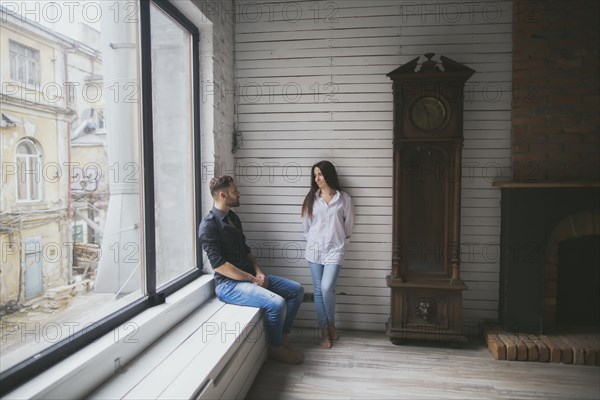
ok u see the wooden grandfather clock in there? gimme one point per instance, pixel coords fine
(426, 289)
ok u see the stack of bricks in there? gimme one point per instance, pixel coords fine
(555, 112)
(578, 347)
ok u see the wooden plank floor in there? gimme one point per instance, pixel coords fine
(365, 365)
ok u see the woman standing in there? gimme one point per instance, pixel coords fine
(327, 220)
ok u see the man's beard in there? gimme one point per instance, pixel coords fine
(233, 202)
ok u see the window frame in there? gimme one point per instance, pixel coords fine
(36, 158)
(36, 364)
(16, 58)
(148, 148)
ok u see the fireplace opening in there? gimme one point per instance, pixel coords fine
(578, 283)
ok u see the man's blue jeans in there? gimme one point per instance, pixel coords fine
(324, 277)
(281, 301)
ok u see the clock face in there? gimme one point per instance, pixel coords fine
(428, 113)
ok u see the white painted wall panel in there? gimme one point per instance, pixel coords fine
(311, 85)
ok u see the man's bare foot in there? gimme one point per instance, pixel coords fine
(285, 355)
(332, 332)
(325, 341)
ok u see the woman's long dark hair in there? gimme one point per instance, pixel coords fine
(330, 176)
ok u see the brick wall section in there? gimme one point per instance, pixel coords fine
(555, 123)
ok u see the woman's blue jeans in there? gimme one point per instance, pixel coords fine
(280, 300)
(323, 278)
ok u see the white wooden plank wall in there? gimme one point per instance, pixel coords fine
(311, 85)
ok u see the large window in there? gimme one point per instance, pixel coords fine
(126, 238)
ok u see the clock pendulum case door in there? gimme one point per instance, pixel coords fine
(426, 289)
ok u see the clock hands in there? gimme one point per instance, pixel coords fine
(427, 114)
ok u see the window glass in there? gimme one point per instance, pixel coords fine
(173, 129)
(73, 257)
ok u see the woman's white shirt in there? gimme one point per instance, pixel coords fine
(328, 232)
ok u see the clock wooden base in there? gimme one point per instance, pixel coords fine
(428, 310)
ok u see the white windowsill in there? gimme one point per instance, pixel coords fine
(79, 374)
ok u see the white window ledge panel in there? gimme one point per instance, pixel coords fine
(77, 375)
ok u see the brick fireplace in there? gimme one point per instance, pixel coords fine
(553, 199)
(536, 218)
(549, 274)
(549, 211)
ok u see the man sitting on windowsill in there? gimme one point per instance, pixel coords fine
(239, 278)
